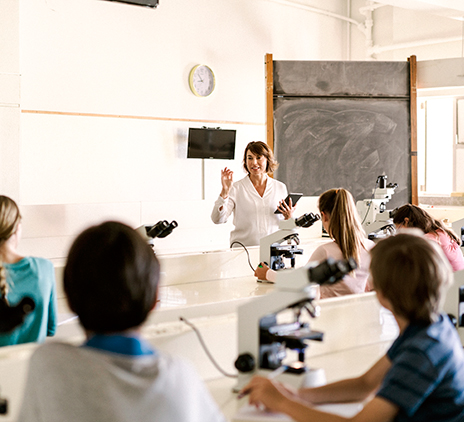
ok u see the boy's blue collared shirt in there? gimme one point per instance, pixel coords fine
(120, 344)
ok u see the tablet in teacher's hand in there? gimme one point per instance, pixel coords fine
(294, 196)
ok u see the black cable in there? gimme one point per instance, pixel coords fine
(200, 338)
(372, 198)
(246, 250)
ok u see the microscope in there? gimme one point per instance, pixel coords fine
(10, 318)
(160, 229)
(375, 218)
(273, 250)
(271, 330)
(454, 303)
(458, 228)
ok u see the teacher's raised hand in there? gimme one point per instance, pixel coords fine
(226, 181)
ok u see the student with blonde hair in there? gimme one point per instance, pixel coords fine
(22, 277)
(421, 377)
(341, 221)
(413, 216)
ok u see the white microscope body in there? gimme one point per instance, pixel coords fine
(454, 302)
(373, 212)
(263, 342)
(458, 228)
(283, 243)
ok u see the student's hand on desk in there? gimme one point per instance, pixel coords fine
(286, 209)
(272, 394)
(261, 271)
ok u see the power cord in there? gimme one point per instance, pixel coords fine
(372, 198)
(202, 342)
(246, 250)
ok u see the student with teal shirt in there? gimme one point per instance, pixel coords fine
(25, 277)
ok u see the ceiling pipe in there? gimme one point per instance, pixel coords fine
(376, 49)
(371, 6)
(367, 11)
(365, 28)
(348, 31)
(359, 25)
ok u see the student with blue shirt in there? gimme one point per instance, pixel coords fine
(421, 378)
(111, 282)
(22, 277)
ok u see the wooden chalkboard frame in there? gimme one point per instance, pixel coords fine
(412, 98)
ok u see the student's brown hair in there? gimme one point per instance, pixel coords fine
(111, 278)
(421, 219)
(9, 220)
(412, 273)
(261, 149)
(344, 226)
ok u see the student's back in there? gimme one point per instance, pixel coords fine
(35, 278)
(413, 216)
(341, 221)
(426, 378)
(77, 384)
(352, 283)
(111, 281)
(22, 277)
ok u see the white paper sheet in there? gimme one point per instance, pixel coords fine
(252, 414)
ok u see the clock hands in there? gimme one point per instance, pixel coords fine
(201, 80)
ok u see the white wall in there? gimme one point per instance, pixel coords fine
(98, 57)
(95, 104)
(104, 107)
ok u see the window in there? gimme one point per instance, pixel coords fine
(438, 146)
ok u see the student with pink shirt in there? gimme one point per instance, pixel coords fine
(412, 216)
(341, 221)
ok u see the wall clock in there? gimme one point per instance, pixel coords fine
(201, 80)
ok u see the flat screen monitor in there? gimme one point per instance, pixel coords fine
(147, 3)
(211, 143)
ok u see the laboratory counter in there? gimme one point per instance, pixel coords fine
(336, 366)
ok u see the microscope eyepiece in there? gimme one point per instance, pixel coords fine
(161, 229)
(331, 271)
(382, 181)
(307, 220)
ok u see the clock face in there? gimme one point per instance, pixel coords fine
(201, 80)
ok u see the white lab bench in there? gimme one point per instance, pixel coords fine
(357, 330)
(338, 365)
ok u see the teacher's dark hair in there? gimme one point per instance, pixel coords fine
(111, 278)
(261, 149)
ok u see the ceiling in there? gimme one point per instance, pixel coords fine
(448, 8)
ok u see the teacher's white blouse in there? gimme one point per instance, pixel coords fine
(254, 215)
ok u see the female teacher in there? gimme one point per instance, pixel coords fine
(252, 199)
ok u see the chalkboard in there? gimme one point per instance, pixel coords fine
(329, 78)
(343, 139)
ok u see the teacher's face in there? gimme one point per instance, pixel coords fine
(256, 164)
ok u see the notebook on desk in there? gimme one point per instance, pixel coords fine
(250, 413)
